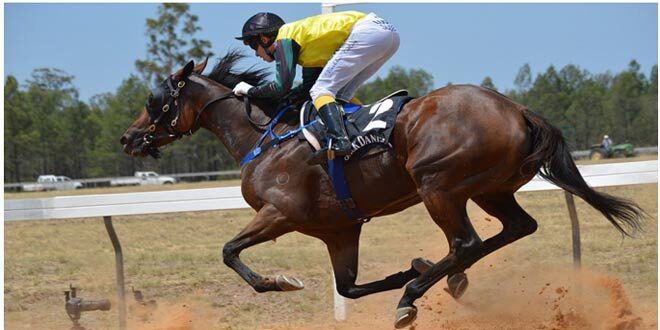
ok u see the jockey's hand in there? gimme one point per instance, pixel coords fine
(242, 88)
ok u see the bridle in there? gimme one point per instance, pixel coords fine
(172, 106)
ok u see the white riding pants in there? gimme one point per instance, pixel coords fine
(370, 44)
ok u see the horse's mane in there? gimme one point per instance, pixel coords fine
(225, 74)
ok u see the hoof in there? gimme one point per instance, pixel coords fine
(421, 265)
(457, 284)
(286, 283)
(405, 317)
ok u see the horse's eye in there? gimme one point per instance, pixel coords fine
(150, 99)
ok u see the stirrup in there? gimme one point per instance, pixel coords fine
(325, 154)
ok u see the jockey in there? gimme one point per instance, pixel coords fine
(337, 51)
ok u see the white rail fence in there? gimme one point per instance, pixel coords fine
(108, 205)
(65, 207)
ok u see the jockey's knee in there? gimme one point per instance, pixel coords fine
(318, 90)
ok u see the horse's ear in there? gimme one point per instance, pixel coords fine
(185, 72)
(199, 68)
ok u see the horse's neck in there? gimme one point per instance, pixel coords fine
(227, 119)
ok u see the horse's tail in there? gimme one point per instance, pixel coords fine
(551, 155)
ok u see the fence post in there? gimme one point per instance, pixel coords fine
(119, 265)
(575, 229)
(340, 302)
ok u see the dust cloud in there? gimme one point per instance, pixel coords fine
(542, 298)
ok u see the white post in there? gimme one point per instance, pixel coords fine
(340, 303)
(328, 7)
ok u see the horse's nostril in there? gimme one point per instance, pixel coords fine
(123, 140)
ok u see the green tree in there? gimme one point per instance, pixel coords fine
(547, 96)
(572, 78)
(523, 79)
(77, 134)
(646, 121)
(417, 81)
(488, 83)
(20, 134)
(522, 83)
(49, 93)
(172, 42)
(623, 103)
(113, 113)
(605, 79)
(585, 114)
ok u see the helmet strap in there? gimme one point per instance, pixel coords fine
(266, 45)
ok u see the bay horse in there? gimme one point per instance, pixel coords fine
(454, 144)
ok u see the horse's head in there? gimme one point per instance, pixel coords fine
(167, 115)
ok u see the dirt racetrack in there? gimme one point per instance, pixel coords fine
(503, 295)
(175, 260)
(591, 301)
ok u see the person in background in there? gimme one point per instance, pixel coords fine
(606, 143)
(338, 52)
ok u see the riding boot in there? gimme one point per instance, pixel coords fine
(340, 145)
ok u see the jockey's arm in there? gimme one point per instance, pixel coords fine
(285, 56)
(300, 93)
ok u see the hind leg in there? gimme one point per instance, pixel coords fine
(516, 223)
(464, 253)
(447, 209)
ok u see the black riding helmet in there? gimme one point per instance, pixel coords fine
(261, 23)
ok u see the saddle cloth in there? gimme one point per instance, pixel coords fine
(369, 127)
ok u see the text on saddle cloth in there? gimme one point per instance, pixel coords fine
(369, 127)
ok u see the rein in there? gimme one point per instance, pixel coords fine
(248, 111)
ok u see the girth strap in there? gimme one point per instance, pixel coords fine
(343, 195)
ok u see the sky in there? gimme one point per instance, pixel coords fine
(458, 43)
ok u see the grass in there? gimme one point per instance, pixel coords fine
(176, 260)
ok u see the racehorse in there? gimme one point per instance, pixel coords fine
(454, 144)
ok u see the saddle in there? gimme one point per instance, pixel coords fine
(369, 127)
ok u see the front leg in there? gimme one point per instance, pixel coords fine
(343, 248)
(268, 224)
